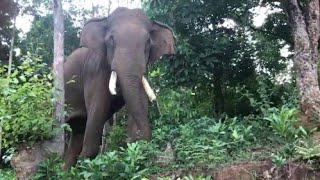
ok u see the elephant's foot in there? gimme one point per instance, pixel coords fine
(89, 152)
(91, 145)
(68, 164)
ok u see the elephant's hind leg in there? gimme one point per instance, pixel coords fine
(77, 124)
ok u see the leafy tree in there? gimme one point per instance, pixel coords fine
(26, 107)
(39, 40)
(218, 51)
(8, 10)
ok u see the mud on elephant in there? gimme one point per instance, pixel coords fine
(107, 72)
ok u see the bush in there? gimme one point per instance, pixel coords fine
(207, 140)
(7, 174)
(127, 163)
(282, 122)
(177, 106)
(25, 103)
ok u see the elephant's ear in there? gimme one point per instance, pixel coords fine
(163, 40)
(92, 34)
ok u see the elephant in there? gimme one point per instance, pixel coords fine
(107, 72)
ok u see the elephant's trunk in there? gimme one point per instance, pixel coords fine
(136, 102)
(145, 84)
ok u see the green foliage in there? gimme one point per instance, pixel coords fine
(206, 140)
(8, 10)
(219, 52)
(178, 106)
(296, 141)
(127, 163)
(282, 121)
(308, 149)
(264, 95)
(48, 168)
(7, 156)
(7, 174)
(209, 56)
(115, 138)
(278, 160)
(235, 64)
(195, 142)
(39, 40)
(25, 103)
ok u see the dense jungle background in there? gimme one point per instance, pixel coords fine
(227, 103)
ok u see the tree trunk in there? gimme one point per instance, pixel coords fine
(305, 29)
(58, 69)
(12, 45)
(94, 10)
(109, 6)
(26, 161)
(218, 89)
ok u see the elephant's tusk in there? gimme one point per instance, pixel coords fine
(147, 88)
(112, 83)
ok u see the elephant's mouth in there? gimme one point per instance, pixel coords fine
(149, 91)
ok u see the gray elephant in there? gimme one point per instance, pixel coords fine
(108, 72)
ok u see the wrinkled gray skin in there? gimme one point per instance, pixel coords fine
(124, 42)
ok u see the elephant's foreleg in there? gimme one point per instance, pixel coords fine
(73, 150)
(98, 108)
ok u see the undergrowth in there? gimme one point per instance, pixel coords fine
(184, 137)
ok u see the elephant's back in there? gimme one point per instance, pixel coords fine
(73, 78)
(74, 63)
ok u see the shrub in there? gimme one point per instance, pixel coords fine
(308, 149)
(207, 140)
(282, 121)
(176, 106)
(25, 103)
(7, 174)
(127, 163)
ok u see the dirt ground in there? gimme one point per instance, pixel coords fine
(257, 170)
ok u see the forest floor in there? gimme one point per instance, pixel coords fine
(251, 170)
(264, 167)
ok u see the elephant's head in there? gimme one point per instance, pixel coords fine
(130, 41)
